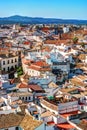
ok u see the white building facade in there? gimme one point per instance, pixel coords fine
(7, 63)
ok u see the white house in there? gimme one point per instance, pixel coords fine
(43, 81)
(8, 61)
(36, 68)
(65, 29)
(25, 96)
(59, 60)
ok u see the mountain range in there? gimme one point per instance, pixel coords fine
(38, 20)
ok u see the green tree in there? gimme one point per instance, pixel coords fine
(75, 40)
(83, 45)
(19, 71)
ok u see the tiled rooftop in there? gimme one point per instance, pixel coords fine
(10, 120)
(49, 105)
(29, 124)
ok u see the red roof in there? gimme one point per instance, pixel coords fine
(31, 86)
(40, 97)
(51, 42)
(65, 126)
(81, 104)
(22, 85)
(25, 61)
(45, 29)
(27, 43)
(4, 49)
(8, 44)
(35, 87)
(70, 113)
(66, 36)
(40, 63)
(55, 42)
(39, 68)
(34, 68)
(35, 112)
(50, 123)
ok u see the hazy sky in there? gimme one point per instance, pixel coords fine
(65, 9)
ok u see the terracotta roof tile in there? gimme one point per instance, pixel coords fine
(27, 43)
(56, 42)
(39, 68)
(49, 105)
(46, 114)
(22, 85)
(65, 126)
(40, 63)
(83, 124)
(29, 124)
(35, 87)
(14, 120)
(10, 120)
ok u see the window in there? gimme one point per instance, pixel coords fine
(16, 128)
(12, 61)
(19, 97)
(15, 66)
(12, 68)
(29, 98)
(36, 116)
(3, 69)
(22, 98)
(82, 107)
(55, 67)
(3, 62)
(8, 61)
(15, 60)
(8, 68)
(26, 98)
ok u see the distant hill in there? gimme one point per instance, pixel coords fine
(37, 20)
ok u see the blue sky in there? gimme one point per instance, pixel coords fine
(65, 9)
